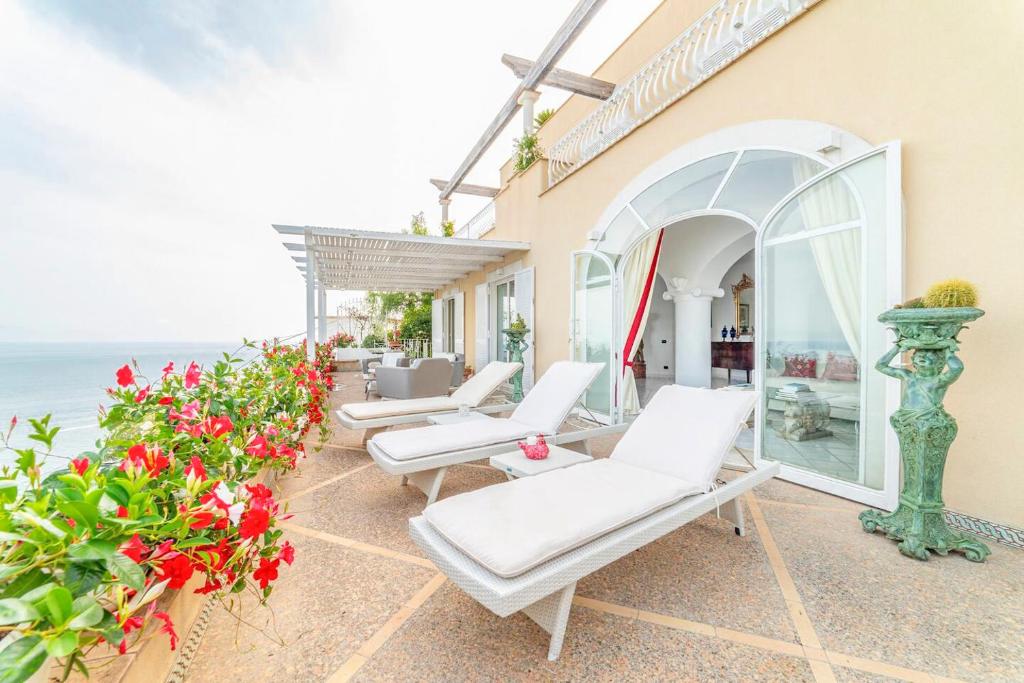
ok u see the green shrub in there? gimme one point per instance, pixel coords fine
(372, 341)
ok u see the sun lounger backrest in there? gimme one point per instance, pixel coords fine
(481, 385)
(686, 432)
(554, 395)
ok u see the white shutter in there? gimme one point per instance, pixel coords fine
(460, 323)
(436, 308)
(483, 317)
(524, 307)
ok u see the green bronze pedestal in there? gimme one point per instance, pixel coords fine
(925, 431)
(515, 344)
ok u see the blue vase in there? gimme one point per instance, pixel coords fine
(725, 333)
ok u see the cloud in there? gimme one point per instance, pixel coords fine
(144, 156)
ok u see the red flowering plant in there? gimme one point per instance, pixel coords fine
(171, 497)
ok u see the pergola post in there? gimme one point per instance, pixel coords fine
(310, 299)
(526, 100)
(444, 210)
(321, 308)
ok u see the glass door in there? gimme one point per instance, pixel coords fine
(830, 261)
(505, 315)
(592, 308)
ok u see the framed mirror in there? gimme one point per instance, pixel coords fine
(743, 299)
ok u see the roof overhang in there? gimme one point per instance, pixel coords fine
(389, 261)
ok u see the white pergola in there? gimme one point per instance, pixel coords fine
(341, 259)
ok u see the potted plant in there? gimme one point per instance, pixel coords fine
(927, 329)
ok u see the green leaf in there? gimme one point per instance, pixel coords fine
(38, 592)
(15, 538)
(87, 612)
(26, 459)
(62, 645)
(84, 514)
(126, 571)
(95, 549)
(118, 493)
(8, 490)
(21, 659)
(58, 604)
(82, 577)
(192, 542)
(30, 517)
(16, 611)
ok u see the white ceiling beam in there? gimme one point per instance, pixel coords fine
(588, 86)
(439, 257)
(553, 51)
(467, 188)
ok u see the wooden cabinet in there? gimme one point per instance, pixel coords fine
(734, 355)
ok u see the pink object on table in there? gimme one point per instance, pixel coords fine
(537, 451)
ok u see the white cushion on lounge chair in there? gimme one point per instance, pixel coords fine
(481, 385)
(554, 395)
(408, 406)
(406, 444)
(512, 527)
(685, 432)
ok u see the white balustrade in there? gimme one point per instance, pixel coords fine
(726, 31)
(480, 224)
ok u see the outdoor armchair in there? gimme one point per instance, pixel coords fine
(425, 377)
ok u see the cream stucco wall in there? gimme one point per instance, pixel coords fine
(943, 77)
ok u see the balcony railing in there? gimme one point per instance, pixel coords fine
(480, 224)
(729, 29)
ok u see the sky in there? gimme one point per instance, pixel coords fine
(147, 146)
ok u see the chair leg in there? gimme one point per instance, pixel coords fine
(733, 511)
(428, 481)
(552, 615)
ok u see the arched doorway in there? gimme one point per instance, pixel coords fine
(827, 248)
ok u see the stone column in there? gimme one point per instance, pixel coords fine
(526, 99)
(444, 209)
(693, 331)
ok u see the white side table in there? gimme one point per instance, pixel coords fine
(455, 418)
(515, 464)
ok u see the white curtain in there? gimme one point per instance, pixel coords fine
(637, 279)
(837, 255)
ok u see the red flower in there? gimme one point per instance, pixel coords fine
(167, 628)
(196, 469)
(258, 447)
(210, 586)
(197, 518)
(217, 427)
(151, 459)
(122, 511)
(125, 376)
(254, 522)
(143, 393)
(189, 411)
(166, 400)
(134, 548)
(168, 369)
(80, 465)
(178, 569)
(287, 553)
(130, 624)
(192, 374)
(14, 421)
(266, 572)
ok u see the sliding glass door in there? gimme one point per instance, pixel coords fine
(829, 260)
(593, 301)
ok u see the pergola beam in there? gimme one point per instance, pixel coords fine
(588, 86)
(467, 188)
(439, 258)
(553, 51)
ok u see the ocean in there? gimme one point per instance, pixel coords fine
(69, 381)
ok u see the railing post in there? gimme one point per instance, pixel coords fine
(310, 299)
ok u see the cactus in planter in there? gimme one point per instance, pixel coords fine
(951, 294)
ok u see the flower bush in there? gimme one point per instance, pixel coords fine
(172, 496)
(342, 340)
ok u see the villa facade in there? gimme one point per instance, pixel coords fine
(840, 156)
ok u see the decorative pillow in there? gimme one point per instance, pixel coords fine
(841, 368)
(799, 365)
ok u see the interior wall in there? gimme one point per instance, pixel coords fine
(723, 310)
(659, 336)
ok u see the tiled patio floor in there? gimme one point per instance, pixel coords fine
(805, 595)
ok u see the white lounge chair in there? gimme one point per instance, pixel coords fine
(379, 415)
(422, 455)
(523, 545)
